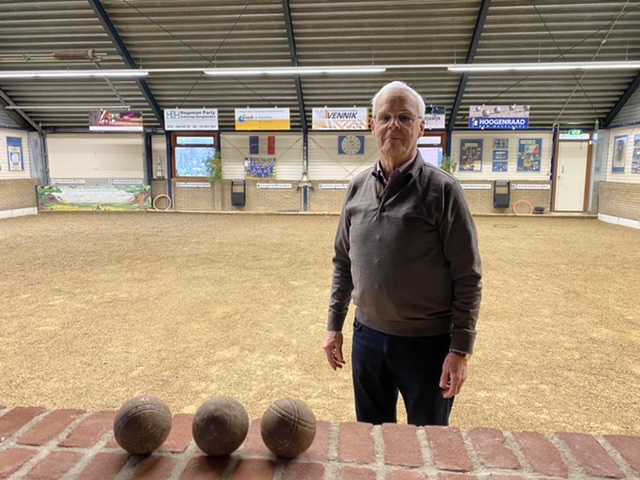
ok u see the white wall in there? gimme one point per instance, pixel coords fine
(96, 158)
(288, 152)
(513, 136)
(326, 164)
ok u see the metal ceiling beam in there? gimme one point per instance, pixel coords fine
(294, 61)
(622, 101)
(122, 50)
(471, 53)
(21, 118)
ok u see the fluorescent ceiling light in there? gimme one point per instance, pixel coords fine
(68, 107)
(533, 67)
(293, 70)
(72, 73)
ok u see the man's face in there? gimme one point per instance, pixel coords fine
(397, 127)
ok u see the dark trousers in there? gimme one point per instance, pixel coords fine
(384, 365)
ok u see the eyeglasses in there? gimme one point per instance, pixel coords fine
(404, 118)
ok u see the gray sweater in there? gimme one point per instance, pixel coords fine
(408, 257)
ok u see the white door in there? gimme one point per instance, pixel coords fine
(571, 176)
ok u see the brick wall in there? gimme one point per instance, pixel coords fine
(619, 200)
(76, 445)
(324, 200)
(18, 194)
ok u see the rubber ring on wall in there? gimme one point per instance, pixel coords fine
(162, 195)
(525, 201)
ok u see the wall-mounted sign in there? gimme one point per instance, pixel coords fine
(14, 153)
(262, 119)
(191, 119)
(340, 119)
(350, 144)
(499, 117)
(271, 186)
(115, 121)
(434, 117)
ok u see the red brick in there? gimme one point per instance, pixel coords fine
(490, 446)
(543, 456)
(180, 436)
(104, 466)
(449, 451)
(304, 470)
(250, 469)
(254, 445)
(357, 473)
(50, 427)
(401, 445)
(628, 447)
(456, 476)
(355, 443)
(407, 475)
(54, 465)
(154, 467)
(11, 460)
(15, 419)
(590, 455)
(319, 449)
(498, 476)
(203, 467)
(90, 430)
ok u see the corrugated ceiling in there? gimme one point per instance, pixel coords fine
(410, 35)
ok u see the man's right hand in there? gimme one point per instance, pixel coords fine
(333, 349)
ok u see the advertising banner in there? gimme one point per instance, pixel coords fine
(434, 118)
(340, 119)
(499, 117)
(14, 153)
(262, 119)
(191, 119)
(115, 121)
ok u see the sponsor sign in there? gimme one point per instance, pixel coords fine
(281, 186)
(191, 119)
(262, 119)
(499, 117)
(434, 117)
(340, 119)
(115, 121)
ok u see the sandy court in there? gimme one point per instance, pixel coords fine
(98, 307)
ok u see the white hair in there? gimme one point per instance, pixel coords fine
(397, 85)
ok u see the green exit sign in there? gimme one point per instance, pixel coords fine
(575, 133)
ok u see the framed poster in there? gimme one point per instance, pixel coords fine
(500, 155)
(14, 153)
(619, 154)
(260, 167)
(470, 155)
(529, 154)
(635, 159)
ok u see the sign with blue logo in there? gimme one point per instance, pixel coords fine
(499, 117)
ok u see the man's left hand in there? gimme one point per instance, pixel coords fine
(454, 374)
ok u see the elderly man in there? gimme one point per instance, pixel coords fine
(406, 253)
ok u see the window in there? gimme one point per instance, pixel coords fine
(191, 152)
